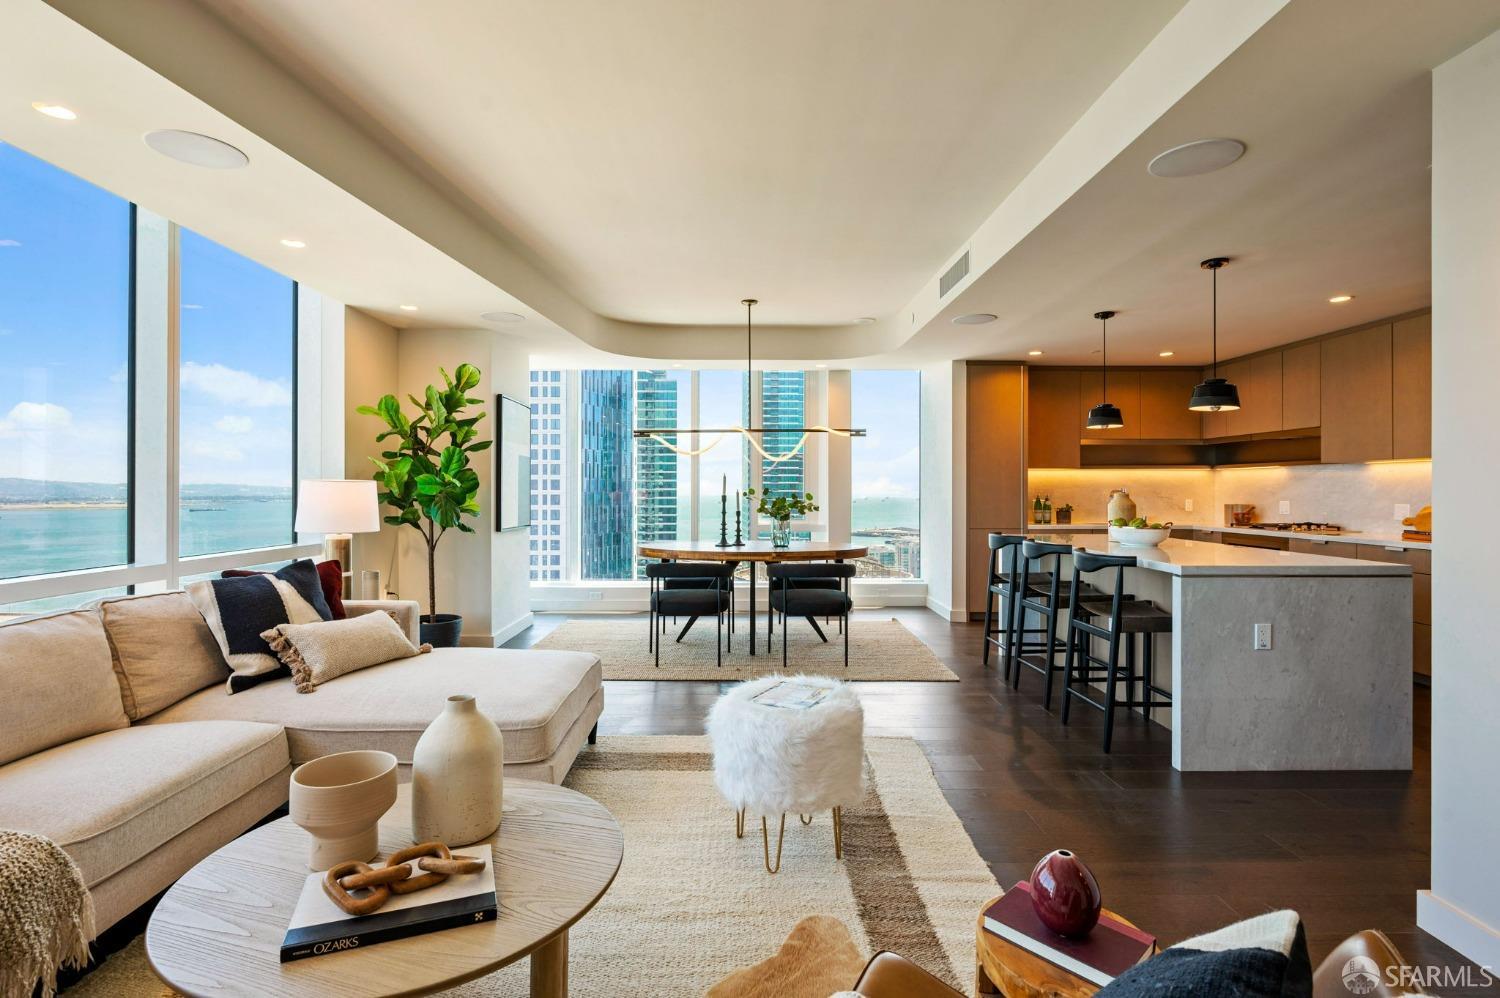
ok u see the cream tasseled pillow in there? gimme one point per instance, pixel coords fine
(328, 649)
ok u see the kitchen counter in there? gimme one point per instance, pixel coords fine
(1350, 537)
(1198, 558)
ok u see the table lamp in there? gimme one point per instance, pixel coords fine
(337, 509)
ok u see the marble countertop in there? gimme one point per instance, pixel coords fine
(1203, 558)
(1353, 537)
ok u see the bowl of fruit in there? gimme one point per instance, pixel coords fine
(1138, 533)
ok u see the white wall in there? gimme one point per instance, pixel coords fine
(944, 500)
(1463, 906)
(483, 575)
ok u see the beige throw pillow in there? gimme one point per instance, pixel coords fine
(163, 651)
(328, 649)
(56, 684)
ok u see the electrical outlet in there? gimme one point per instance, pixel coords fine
(1187, 505)
(1262, 637)
(1403, 510)
(1284, 508)
(595, 594)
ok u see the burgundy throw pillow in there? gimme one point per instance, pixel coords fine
(330, 578)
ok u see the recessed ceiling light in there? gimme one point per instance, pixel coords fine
(196, 150)
(1033, 353)
(408, 308)
(55, 110)
(822, 365)
(866, 320)
(294, 244)
(1340, 299)
(1193, 158)
(676, 365)
(974, 319)
(503, 317)
(1165, 353)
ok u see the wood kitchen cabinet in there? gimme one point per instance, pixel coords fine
(1052, 417)
(1164, 405)
(1124, 391)
(1302, 386)
(1356, 396)
(995, 464)
(1263, 413)
(1411, 387)
(1421, 596)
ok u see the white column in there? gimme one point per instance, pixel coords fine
(838, 458)
(155, 364)
(1463, 906)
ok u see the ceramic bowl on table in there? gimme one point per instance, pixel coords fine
(338, 799)
(1139, 537)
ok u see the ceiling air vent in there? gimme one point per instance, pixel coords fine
(954, 274)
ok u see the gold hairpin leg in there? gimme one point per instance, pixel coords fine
(838, 833)
(765, 841)
(739, 823)
(806, 818)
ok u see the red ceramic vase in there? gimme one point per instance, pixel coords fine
(1065, 894)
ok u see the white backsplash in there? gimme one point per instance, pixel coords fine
(1358, 497)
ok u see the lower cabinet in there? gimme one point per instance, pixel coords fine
(1421, 597)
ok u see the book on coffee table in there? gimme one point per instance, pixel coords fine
(1104, 954)
(319, 926)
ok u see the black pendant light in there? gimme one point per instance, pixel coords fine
(1105, 416)
(1215, 394)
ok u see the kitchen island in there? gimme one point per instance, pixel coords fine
(1334, 690)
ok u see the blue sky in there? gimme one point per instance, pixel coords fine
(64, 299)
(885, 464)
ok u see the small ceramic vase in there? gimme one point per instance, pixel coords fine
(1121, 506)
(457, 776)
(337, 799)
(1065, 894)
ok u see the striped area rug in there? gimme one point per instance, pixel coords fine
(692, 903)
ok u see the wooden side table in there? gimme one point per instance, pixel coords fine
(1006, 969)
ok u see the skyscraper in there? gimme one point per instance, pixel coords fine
(607, 513)
(783, 396)
(547, 476)
(655, 465)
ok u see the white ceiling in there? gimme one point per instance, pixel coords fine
(665, 158)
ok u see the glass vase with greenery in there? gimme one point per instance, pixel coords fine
(425, 476)
(780, 510)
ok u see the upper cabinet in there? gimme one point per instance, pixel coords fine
(1411, 387)
(1052, 417)
(1356, 403)
(1124, 391)
(1302, 386)
(1164, 405)
(1263, 415)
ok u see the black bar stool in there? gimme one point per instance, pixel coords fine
(1122, 616)
(1004, 577)
(1045, 600)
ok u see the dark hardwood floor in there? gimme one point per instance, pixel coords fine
(1177, 853)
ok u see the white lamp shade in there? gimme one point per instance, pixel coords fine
(337, 506)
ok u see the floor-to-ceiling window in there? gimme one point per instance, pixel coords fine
(722, 470)
(663, 484)
(147, 398)
(884, 479)
(548, 408)
(239, 342)
(64, 370)
(607, 509)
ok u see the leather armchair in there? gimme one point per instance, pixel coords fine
(889, 975)
(1328, 979)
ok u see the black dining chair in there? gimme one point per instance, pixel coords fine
(713, 596)
(803, 590)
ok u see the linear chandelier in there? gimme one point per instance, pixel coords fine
(750, 433)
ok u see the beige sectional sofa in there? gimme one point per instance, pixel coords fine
(119, 742)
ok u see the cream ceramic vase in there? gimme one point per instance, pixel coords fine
(457, 776)
(1121, 506)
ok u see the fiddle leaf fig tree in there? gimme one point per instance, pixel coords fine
(425, 475)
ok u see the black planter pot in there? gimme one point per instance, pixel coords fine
(442, 631)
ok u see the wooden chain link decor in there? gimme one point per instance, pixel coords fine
(396, 877)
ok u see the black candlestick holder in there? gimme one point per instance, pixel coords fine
(739, 541)
(723, 523)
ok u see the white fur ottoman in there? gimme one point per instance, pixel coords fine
(771, 760)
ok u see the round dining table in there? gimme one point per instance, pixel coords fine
(752, 553)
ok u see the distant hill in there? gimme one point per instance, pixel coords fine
(31, 490)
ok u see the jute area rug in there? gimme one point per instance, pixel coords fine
(879, 651)
(692, 903)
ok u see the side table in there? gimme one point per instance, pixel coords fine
(1006, 969)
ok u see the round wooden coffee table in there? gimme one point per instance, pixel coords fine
(1007, 969)
(218, 930)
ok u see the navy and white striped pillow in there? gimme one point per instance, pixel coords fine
(239, 610)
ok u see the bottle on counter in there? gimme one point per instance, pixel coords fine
(1046, 509)
(1036, 508)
